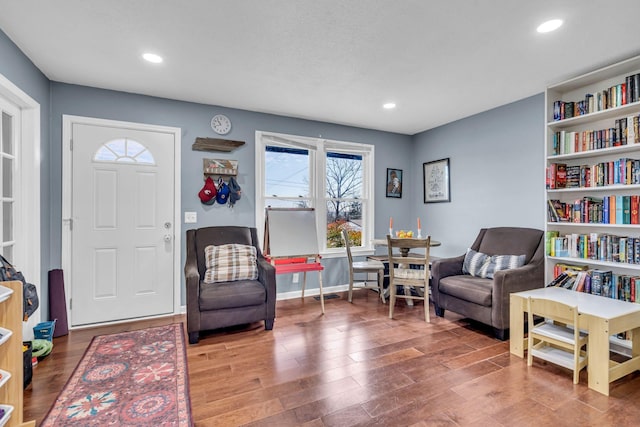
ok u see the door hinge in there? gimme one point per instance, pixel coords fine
(70, 303)
(71, 144)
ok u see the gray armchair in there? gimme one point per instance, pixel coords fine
(487, 300)
(213, 306)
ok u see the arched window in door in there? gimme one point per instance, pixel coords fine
(124, 150)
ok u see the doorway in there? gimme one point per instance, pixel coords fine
(120, 219)
(21, 158)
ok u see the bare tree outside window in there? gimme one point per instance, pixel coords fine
(344, 180)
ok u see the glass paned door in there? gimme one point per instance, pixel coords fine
(7, 170)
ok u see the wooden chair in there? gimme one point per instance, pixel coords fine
(366, 267)
(402, 275)
(557, 338)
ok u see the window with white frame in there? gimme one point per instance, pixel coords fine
(333, 177)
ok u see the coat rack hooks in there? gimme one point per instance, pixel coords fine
(219, 167)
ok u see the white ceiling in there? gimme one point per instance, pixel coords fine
(330, 60)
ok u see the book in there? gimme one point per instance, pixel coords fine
(572, 176)
(622, 250)
(626, 209)
(612, 209)
(568, 110)
(596, 282)
(552, 213)
(565, 280)
(560, 210)
(556, 280)
(569, 283)
(607, 283)
(549, 236)
(582, 276)
(587, 284)
(563, 267)
(561, 175)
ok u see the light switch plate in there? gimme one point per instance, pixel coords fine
(190, 217)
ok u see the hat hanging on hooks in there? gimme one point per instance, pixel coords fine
(223, 192)
(234, 192)
(208, 193)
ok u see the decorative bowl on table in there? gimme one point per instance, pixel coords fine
(402, 234)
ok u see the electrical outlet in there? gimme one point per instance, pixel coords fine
(190, 217)
(296, 278)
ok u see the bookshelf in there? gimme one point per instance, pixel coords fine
(592, 152)
(11, 353)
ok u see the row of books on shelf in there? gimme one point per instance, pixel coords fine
(599, 282)
(596, 210)
(624, 132)
(594, 246)
(614, 96)
(623, 171)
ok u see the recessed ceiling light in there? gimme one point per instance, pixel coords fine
(152, 57)
(389, 106)
(549, 26)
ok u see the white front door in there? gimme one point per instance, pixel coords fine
(121, 222)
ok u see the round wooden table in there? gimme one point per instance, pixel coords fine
(403, 251)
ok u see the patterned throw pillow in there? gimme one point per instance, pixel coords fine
(475, 263)
(505, 262)
(482, 265)
(231, 262)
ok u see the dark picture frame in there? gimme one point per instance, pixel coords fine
(394, 183)
(437, 185)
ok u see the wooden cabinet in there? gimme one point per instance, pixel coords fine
(11, 392)
(592, 162)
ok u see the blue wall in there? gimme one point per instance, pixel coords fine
(497, 173)
(17, 68)
(194, 120)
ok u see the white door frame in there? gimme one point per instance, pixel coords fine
(67, 123)
(27, 221)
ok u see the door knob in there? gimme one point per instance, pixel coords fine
(167, 237)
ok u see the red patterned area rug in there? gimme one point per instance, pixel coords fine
(136, 378)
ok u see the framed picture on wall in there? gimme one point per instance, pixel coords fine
(436, 181)
(394, 183)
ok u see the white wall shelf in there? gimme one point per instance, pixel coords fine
(574, 90)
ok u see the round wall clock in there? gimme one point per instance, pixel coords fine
(221, 124)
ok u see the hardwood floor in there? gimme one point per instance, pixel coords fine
(355, 366)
